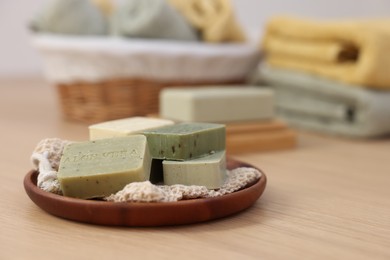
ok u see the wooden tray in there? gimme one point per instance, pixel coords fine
(258, 136)
(146, 214)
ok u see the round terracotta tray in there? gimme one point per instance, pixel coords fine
(145, 214)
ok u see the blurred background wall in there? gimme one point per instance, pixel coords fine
(18, 57)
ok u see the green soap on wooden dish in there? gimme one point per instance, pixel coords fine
(185, 141)
(99, 168)
(209, 171)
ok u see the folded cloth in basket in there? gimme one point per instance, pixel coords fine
(151, 19)
(319, 104)
(106, 6)
(214, 18)
(351, 51)
(75, 17)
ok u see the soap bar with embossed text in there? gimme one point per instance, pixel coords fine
(99, 168)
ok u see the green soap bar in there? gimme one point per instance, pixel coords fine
(209, 171)
(99, 168)
(185, 140)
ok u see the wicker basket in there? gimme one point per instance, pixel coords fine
(96, 82)
(97, 102)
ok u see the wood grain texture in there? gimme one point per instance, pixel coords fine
(258, 136)
(327, 199)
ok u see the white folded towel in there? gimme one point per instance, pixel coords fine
(323, 105)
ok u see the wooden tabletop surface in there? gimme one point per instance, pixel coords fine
(327, 199)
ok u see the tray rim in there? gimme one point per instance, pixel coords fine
(53, 204)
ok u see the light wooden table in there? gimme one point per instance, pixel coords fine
(327, 199)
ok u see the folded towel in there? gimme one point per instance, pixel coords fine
(353, 52)
(106, 6)
(75, 17)
(151, 19)
(316, 103)
(213, 18)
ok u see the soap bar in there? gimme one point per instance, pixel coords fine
(185, 140)
(99, 168)
(124, 127)
(209, 171)
(217, 104)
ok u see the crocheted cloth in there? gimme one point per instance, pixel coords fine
(46, 159)
(47, 155)
(54, 147)
(147, 192)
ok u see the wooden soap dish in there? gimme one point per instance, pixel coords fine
(146, 214)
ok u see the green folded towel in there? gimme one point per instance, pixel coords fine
(151, 19)
(315, 103)
(74, 17)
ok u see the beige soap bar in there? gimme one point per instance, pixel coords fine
(217, 104)
(124, 127)
(99, 168)
(209, 171)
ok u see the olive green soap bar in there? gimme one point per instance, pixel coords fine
(209, 171)
(185, 141)
(99, 168)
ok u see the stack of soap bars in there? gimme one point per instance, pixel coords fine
(247, 112)
(140, 149)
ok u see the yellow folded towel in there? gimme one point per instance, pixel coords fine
(106, 6)
(355, 52)
(213, 18)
